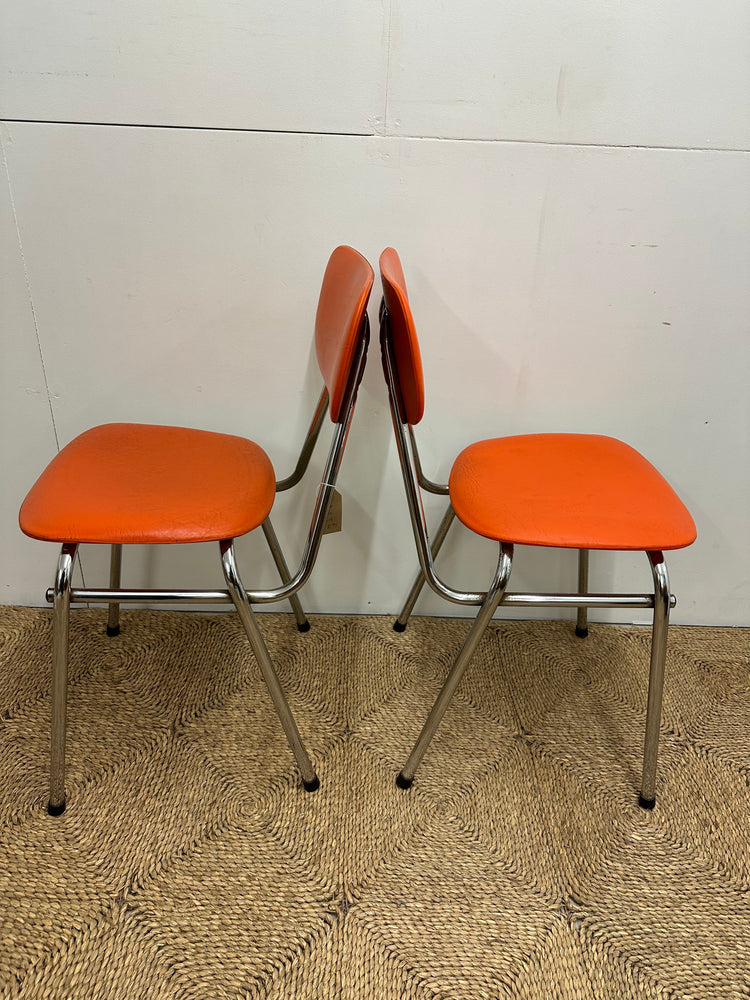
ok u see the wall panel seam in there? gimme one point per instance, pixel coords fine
(554, 144)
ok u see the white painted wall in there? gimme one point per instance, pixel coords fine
(568, 185)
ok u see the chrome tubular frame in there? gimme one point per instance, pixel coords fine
(582, 624)
(95, 595)
(60, 629)
(441, 489)
(440, 535)
(325, 490)
(62, 594)
(411, 484)
(308, 446)
(247, 617)
(661, 601)
(115, 569)
(480, 623)
(278, 557)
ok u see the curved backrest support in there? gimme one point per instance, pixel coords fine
(342, 334)
(339, 322)
(398, 324)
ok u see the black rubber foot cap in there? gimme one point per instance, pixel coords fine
(581, 632)
(312, 786)
(646, 803)
(113, 631)
(304, 627)
(403, 782)
(398, 627)
(55, 810)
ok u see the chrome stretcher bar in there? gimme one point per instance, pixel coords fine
(93, 595)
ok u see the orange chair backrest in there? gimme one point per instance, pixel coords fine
(342, 309)
(404, 337)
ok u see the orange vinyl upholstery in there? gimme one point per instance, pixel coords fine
(580, 491)
(345, 292)
(142, 483)
(405, 343)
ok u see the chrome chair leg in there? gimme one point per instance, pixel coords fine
(278, 557)
(582, 624)
(247, 617)
(60, 628)
(115, 566)
(480, 623)
(400, 624)
(656, 678)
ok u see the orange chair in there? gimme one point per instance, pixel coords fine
(122, 484)
(580, 491)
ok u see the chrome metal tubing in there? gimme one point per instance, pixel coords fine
(93, 595)
(656, 677)
(60, 628)
(494, 595)
(416, 590)
(582, 624)
(426, 484)
(278, 557)
(101, 595)
(308, 445)
(325, 491)
(583, 601)
(247, 617)
(326, 488)
(115, 569)
(411, 485)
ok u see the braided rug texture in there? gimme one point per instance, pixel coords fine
(190, 863)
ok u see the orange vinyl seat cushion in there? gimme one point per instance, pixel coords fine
(581, 491)
(141, 483)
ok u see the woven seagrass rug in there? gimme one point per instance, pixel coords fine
(190, 863)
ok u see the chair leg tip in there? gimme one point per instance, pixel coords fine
(581, 632)
(646, 803)
(403, 782)
(111, 632)
(313, 785)
(303, 626)
(56, 810)
(399, 627)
